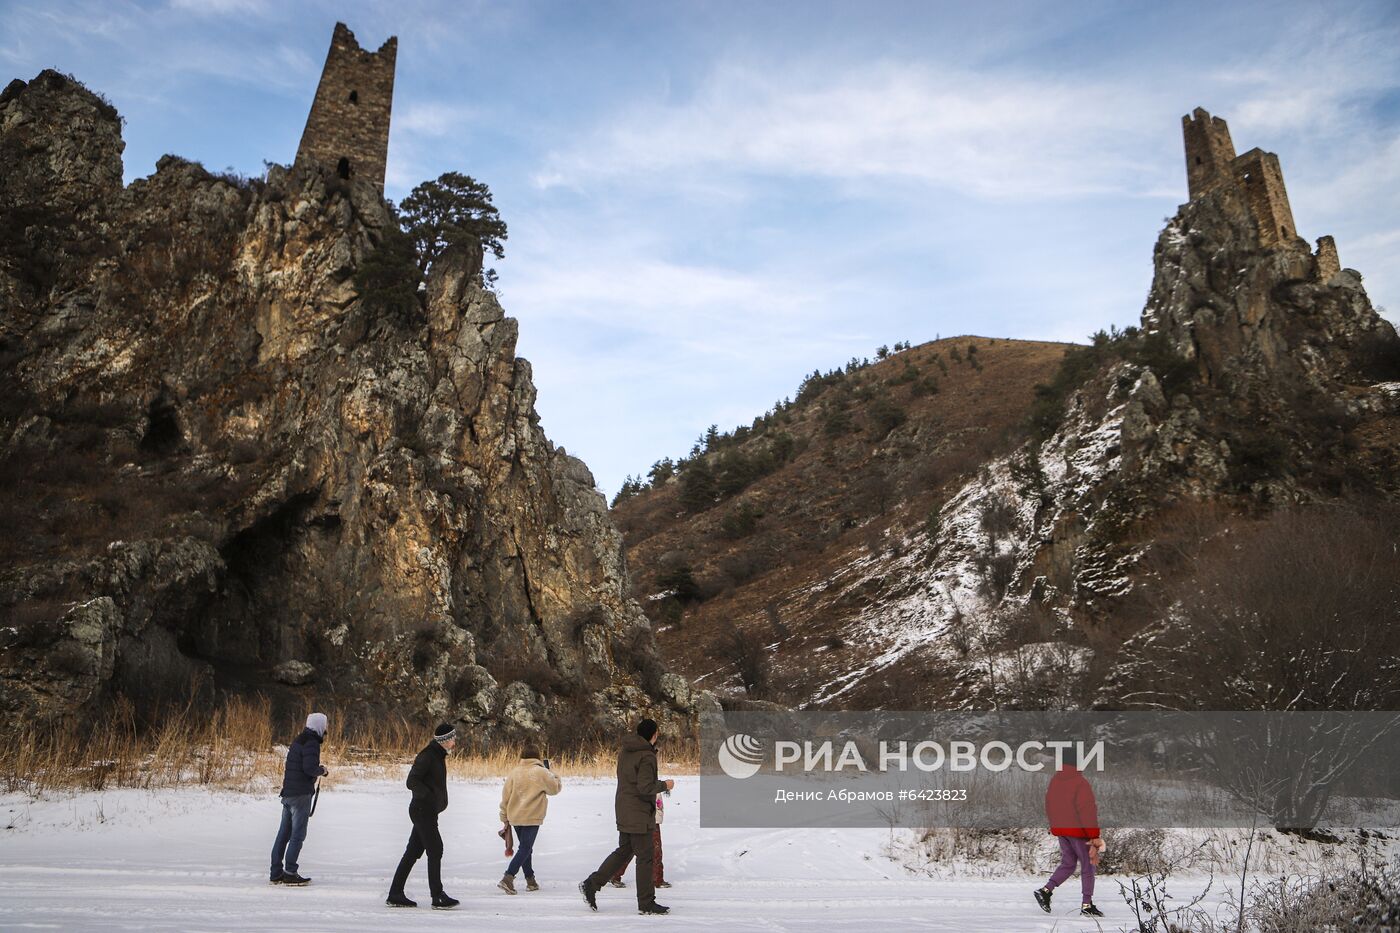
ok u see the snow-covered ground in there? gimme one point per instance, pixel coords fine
(196, 860)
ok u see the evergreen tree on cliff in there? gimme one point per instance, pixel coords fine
(455, 208)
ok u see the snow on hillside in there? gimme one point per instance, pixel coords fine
(934, 583)
(191, 859)
(934, 591)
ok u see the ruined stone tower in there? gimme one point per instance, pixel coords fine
(348, 127)
(1211, 162)
(1209, 152)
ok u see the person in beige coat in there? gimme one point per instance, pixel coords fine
(524, 800)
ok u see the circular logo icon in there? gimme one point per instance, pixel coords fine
(740, 756)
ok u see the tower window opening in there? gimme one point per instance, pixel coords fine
(1198, 160)
(1283, 232)
(354, 97)
(342, 168)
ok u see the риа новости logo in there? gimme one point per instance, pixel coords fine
(740, 756)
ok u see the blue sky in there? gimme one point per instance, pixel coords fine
(708, 200)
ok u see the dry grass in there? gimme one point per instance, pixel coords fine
(239, 746)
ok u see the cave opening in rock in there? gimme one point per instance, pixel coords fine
(162, 436)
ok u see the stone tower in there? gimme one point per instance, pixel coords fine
(1211, 162)
(1209, 152)
(348, 128)
(1259, 174)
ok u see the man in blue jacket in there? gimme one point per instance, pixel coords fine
(298, 786)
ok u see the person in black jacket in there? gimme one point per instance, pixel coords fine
(428, 781)
(298, 785)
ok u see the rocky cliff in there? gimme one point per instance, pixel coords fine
(1259, 378)
(221, 465)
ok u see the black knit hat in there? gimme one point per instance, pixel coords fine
(646, 728)
(444, 733)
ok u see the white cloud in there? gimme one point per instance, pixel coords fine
(433, 118)
(222, 7)
(989, 136)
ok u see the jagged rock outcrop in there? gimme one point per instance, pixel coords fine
(226, 464)
(1256, 382)
(1267, 366)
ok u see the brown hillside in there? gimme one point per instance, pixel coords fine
(835, 499)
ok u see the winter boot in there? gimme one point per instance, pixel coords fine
(1042, 897)
(444, 902)
(1089, 910)
(292, 879)
(653, 908)
(662, 884)
(506, 884)
(589, 894)
(530, 884)
(275, 879)
(618, 883)
(398, 900)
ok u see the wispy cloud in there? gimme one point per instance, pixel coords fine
(991, 136)
(222, 7)
(434, 118)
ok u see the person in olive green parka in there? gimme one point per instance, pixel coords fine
(635, 807)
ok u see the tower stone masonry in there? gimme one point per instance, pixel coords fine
(1209, 152)
(1211, 162)
(348, 127)
(1328, 263)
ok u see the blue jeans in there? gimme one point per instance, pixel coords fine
(523, 850)
(291, 834)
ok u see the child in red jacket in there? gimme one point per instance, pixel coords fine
(1074, 819)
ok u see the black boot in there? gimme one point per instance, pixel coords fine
(1089, 910)
(653, 908)
(444, 902)
(398, 900)
(292, 879)
(1042, 897)
(589, 894)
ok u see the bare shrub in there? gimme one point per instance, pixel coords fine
(1134, 852)
(1299, 608)
(874, 491)
(998, 517)
(638, 650)
(1366, 898)
(996, 572)
(1029, 624)
(746, 565)
(573, 729)
(747, 652)
(1156, 910)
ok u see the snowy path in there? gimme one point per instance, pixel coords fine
(192, 860)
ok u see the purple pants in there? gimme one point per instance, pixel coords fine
(1074, 851)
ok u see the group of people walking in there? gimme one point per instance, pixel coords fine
(524, 802)
(638, 807)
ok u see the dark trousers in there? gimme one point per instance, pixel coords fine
(525, 847)
(424, 838)
(290, 835)
(658, 873)
(629, 845)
